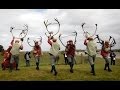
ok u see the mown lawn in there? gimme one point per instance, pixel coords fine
(81, 71)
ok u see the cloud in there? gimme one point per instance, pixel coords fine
(70, 20)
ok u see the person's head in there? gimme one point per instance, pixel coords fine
(106, 43)
(67, 42)
(36, 43)
(17, 41)
(90, 38)
(54, 40)
(70, 42)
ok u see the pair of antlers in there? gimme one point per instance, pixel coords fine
(46, 23)
(112, 43)
(75, 33)
(23, 33)
(86, 32)
(29, 41)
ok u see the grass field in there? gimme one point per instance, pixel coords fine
(81, 71)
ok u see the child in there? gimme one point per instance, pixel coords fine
(112, 55)
(27, 58)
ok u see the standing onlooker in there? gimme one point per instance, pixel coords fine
(65, 58)
(27, 58)
(113, 57)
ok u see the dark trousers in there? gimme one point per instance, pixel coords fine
(112, 61)
(66, 60)
(27, 63)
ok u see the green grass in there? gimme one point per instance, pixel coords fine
(81, 71)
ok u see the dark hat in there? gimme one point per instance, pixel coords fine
(70, 41)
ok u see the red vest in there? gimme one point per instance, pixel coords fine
(37, 51)
(104, 53)
(70, 50)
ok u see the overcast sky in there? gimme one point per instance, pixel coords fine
(108, 21)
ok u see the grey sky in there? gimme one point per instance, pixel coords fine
(70, 20)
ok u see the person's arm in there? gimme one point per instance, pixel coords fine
(12, 41)
(21, 47)
(49, 41)
(114, 55)
(66, 49)
(25, 56)
(59, 47)
(85, 42)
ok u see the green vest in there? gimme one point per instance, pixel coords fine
(54, 50)
(15, 49)
(91, 48)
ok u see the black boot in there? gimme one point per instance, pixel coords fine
(109, 70)
(105, 66)
(10, 68)
(37, 64)
(3, 67)
(113, 62)
(55, 72)
(71, 67)
(52, 69)
(17, 67)
(93, 70)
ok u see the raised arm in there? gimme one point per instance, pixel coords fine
(21, 47)
(49, 41)
(12, 41)
(85, 42)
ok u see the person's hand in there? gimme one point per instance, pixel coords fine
(49, 37)
(21, 39)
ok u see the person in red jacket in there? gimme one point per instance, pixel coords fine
(37, 52)
(70, 52)
(105, 53)
(7, 56)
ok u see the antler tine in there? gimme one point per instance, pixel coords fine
(45, 23)
(57, 21)
(61, 40)
(40, 38)
(96, 26)
(26, 26)
(114, 41)
(83, 24)
(59, 35)
(110, 38)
